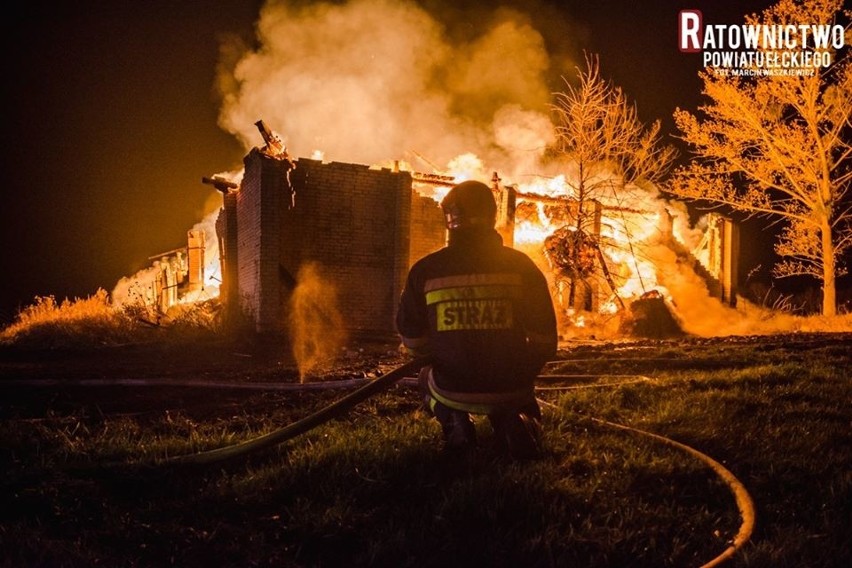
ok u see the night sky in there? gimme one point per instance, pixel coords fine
(110, 120)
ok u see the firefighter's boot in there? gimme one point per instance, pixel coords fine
(518, 435)
(459, 433)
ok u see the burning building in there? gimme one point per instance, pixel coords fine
(365, 226)
(174, 277)
(361, 228)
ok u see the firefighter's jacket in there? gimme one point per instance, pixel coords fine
(483, 312)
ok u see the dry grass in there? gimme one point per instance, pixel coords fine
(94, 322)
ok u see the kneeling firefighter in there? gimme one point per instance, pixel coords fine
(483, 314)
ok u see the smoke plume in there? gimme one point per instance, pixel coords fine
(370, 81)
(444, 87)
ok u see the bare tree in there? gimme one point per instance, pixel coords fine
(600, 133)
(780, 146)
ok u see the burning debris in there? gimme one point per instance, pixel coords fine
(574, 256)
(174, 277)
(364, 226)
(650, 317)
(221, 184)
(594, 252)
(274, 147)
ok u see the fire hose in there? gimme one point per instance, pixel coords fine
(744, 502)
(300, 426)
(745, 505)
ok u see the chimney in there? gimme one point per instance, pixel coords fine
(195, 253)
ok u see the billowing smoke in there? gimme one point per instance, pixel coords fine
(137, 289)
(317, 329)
(371, 81)
(445, 91)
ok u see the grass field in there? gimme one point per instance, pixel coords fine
(372, 488)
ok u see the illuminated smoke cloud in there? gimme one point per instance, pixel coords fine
(376, 80)
(372, 81)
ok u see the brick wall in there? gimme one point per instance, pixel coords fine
(263, 189)
(428, 227)
(226, 231)
(363, 227)
(354, 222)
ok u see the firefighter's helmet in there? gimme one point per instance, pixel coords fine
(469, 204)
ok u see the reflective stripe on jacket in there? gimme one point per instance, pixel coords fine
(485, 311)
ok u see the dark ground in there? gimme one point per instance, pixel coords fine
(134, 379)
(33, 382)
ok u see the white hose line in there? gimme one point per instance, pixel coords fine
(287, 386)
(743, 499)
(320, 385)
(622, 381)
